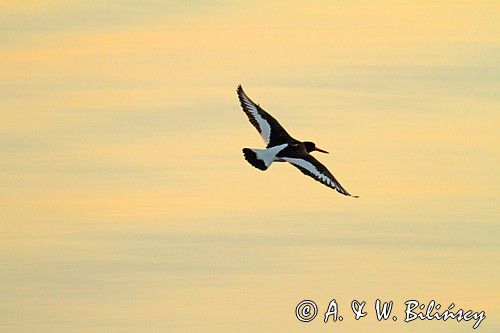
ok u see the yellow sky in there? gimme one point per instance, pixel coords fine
(127, 204)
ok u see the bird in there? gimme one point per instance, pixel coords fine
(281, 147)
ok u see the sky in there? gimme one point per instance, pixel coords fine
(127, 205)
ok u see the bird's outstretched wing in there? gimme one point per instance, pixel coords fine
(269, 128)
(311, 167)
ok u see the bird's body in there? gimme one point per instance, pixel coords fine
(281, 147)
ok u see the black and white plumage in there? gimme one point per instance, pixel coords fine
(281, 147)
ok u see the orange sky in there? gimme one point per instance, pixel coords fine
(127, 204)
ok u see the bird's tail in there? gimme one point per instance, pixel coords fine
(259, 158)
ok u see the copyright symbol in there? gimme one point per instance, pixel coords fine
(306, 311)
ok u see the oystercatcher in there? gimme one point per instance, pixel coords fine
(281, 147)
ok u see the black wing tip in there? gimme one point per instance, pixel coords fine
(341, 190)
(347, 194)
(241, 94)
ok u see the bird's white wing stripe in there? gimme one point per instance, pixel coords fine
(277, 149)
(265, 129)
(311, 168)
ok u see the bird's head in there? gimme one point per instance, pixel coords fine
(310, 146)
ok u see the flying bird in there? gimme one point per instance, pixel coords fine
(281, 147)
